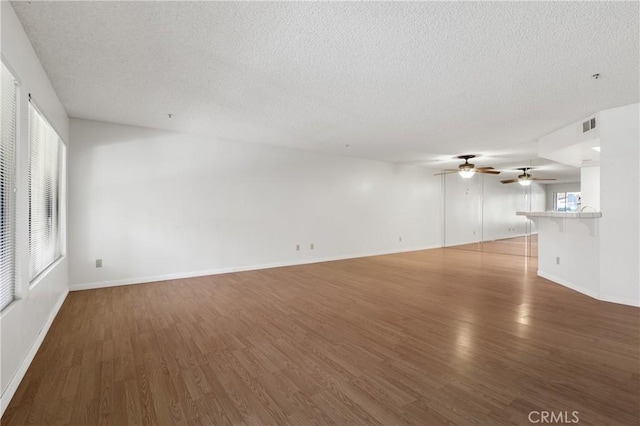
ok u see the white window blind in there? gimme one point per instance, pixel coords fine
(45, 155)
(7, 187)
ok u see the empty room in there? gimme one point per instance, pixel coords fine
(320, 213)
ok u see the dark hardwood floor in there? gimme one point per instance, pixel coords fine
(429, 337)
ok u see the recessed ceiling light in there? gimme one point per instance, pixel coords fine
(596, 148)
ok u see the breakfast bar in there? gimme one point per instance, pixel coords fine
(569, 249)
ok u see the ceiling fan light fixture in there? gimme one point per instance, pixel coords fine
(466, 174)
(524, 182)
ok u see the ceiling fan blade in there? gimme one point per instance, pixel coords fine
(533, 178)
(484, 168)
(509, 181)
(488, 172)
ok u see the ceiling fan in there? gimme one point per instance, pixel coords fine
(525, 178)
(467, 169)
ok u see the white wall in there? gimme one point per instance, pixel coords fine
(463, 209)
(538, 196)
(567, 145)
(602, 262)
(483, 208)
(25, 322)
(154, 204)
(568, 254)
(619, 202)
(500, 204)
(559, 187)
(590, 188)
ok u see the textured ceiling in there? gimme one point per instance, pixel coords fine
(404, 82)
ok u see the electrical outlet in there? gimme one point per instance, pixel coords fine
(297, 247)
(311, 246)
(98, 263)
(557, 260)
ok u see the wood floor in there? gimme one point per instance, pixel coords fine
(430, 337)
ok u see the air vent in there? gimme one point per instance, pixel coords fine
(589, 125)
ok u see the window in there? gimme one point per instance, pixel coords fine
(45, 159)
(7, 187)
(566, 201)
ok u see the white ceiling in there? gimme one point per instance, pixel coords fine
(403, 82)
(542, 168)
(580, 154)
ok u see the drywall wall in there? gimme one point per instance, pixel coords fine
(462, 209)
(619, 202)
(154, 205)
(570, 254)
(568, 144)
(500, 204)
(590, 188)
(482, 208)
(554, 188)
(25, 322)
(600, 257)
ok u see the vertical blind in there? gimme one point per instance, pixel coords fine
(45, 153)
(7, 187)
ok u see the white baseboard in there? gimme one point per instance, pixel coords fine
(589, 292)
(507, 237)
(620, 300)
(12, 387)
(569, 284)
(218, 271)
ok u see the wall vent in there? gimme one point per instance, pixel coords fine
(589, 125)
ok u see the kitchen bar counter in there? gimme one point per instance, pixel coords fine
(569, 249)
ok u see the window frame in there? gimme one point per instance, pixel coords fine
(578, 194)
(17, 290)
(61, 201)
